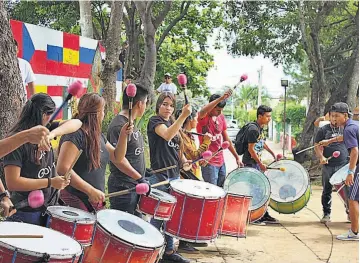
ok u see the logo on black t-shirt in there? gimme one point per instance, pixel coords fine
(173, 145)
(44, 172)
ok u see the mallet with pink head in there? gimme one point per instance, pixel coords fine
(131, 93)
(242, 79)
(35, 200)
(182, 79)
(224, 146)
(204, 156)
(140, 189)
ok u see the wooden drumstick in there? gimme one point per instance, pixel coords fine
(124, 192)
(21, 236)
(337, 191)
(309, 148)
(277, 168)
(163, 169)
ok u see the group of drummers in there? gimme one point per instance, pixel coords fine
(29, 161)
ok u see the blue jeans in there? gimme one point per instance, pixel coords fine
(34, 218)
(158, 223)
(214, 175)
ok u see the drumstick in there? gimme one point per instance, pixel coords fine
(21, 236)
(277, 168)
(196, 133)
(124, 192)
(343, 185)
(309, 148)
(163, 169)
(68, 173)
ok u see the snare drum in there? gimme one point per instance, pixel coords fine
(337, 180)
(72, 222)
(236, 215)
(290, 189)
(158, 204)
(198, 210)
(250, 182)
(122, 237)
(53, 247)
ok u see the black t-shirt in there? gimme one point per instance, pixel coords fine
(163, 153)
(253, 134)
(135, 149)
(327, 132)
(95, 177)
(24, 158)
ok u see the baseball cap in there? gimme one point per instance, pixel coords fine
(167, 75)
(341, 107)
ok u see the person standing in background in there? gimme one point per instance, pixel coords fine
(167, 85)
(27, 74)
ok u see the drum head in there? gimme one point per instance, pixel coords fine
(250, 182)
(56, 244)
(130, 228)
(71, 214)
(161, 195)
(197, 188)
(340, 175)
(289, 185)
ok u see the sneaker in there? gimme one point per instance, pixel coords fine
(268, 219)
(348, 236)
(258, 223)
(185, 247)
(199, 244)
(325, 219)
(174, 257)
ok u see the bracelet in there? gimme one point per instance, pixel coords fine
(49, 183)
(351, 172)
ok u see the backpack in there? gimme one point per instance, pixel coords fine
(241, 138)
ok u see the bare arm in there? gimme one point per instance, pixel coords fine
(66, 127)
(208, 107)
(31, 87)
(318, 120)
(11, 143)
(354, 155)
(266, 147)
(17, 183)
(319, 151)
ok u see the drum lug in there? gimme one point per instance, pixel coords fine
(93, 234)
(75, 226)
(182, 214)
(14, 256)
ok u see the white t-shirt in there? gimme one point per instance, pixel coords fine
(27, 73)
(167, 88)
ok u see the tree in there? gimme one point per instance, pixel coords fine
(12, 92)
(86, 23)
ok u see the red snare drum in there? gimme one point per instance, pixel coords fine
(198, 210)
(158, 204)
(236, 215)
(122, 237)
(72, 222)
(53, 247)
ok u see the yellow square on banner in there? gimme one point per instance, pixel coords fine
(70, 57)
(40, 89)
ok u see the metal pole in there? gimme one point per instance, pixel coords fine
(284, 143)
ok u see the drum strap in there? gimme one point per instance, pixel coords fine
(45, 258)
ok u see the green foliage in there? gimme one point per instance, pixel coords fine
(109, 116)
(295, 115)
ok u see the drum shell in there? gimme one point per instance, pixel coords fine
(236, 215)
(195, 219)
(342, 193)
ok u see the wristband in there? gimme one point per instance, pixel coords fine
(49, 183)
(351, 172)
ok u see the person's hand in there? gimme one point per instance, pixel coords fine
(349, 179)
(59, 182)
(325, 142)
(186, 110)
(6, 204)
(45, 144)
(262, 167)
(227, 94)
(323, 160)
(322, 118)
(208, 136)
(96, 196)
(187, 166)
(239, 162)
(127, 129)
(37, 134)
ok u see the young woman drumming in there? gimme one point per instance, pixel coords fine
(30, 168)
(165, 150)
(87, 186)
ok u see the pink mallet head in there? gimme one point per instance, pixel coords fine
(279, 156)
(182, 79)
(36, 199)
(142, 188)
(336, 154)
(206, 155)
(225, 145)
(131, 90)
(75, 87)
(243, 77)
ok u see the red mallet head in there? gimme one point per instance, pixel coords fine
(243, 77)
(142, 188)
(182, 79)
(336, 154)
(279, 156)
(36, 199)
(207, 155)
(225, 145)
(75, 88)
(131, 90)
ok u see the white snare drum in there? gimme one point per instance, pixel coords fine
(53, 247)
(337, 180)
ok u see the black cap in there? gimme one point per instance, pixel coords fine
(341, 107)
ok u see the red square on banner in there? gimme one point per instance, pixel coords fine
(71, 41)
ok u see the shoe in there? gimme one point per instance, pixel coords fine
(258, 223)
(174, 257)
(325, 219)
(199, 244)
(267, 219)
(348, 236)
(185, 247)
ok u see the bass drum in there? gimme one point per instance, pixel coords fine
(250, 182)
(290, 189)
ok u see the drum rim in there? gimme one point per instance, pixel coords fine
(81, 221)
(333, 182)
(192, 240)
(266, 181)
(27, 252)
(304, 189)
(161, 200)
(197, 196)
(153, 216)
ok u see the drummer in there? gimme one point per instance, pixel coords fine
(328, 137)
(351, 140)
(165, 150)
(33, 135)
(29, 167)
(255, 141)
(132, 167)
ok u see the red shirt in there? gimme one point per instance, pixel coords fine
(215, 126)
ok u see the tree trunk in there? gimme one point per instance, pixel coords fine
(112, 63)
(86, 24)
(353, 82)
(12, 92)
